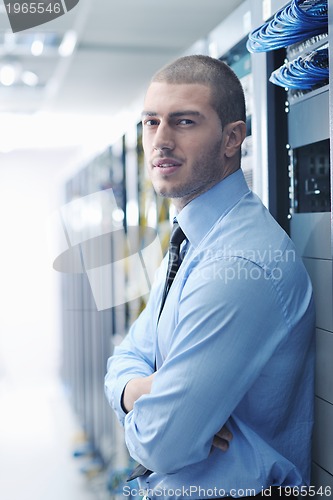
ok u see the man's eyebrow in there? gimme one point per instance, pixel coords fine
(148, 113)
(175, 114)
(186, 112)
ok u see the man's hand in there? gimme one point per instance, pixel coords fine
(134, 389)
(222, 439)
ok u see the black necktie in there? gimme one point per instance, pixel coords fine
(176, 239)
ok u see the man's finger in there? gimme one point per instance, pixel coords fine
(222, 444)
(224, 434)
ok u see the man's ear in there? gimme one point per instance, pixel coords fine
(235, 133)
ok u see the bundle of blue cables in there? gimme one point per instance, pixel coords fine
(303, 73)
(299, 20)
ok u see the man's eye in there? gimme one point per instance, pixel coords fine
(151, 123)
(185, 121)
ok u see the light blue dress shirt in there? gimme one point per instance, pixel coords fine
(235, 345)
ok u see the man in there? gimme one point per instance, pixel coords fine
(231, 351)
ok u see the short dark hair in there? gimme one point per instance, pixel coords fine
(227, 92)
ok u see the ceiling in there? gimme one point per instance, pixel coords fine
(120, 44)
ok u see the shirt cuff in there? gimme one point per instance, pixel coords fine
(115, 394)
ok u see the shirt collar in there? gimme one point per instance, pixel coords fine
(198, 216)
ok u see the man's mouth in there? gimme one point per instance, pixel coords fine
(166, 163)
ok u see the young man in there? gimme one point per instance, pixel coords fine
(232, 350)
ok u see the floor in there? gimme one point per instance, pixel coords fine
(38, 434)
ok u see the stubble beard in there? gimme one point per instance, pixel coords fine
(206, 171)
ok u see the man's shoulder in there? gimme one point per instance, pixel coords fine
(248, 231)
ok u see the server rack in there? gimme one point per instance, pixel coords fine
(307, 135)
(311, 230)
(88, 331)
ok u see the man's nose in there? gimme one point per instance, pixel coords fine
(164, 138)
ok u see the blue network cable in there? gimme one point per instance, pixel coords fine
(299, 20)
(303, 73)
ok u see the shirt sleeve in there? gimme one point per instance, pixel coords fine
(134, 357)
(226, 331)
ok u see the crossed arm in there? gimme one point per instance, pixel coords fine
(229, 356)
(136, 387)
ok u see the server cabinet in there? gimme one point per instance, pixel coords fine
(94, 200)
(308, 138)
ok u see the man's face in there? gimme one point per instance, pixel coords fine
(183, 140)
